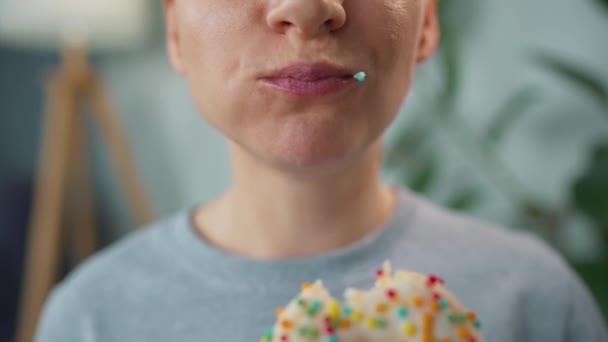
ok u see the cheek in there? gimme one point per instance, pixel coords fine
(211, 34)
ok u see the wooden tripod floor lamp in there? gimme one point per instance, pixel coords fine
(62, 221)
(63, 212)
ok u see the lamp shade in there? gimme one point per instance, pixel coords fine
(101, 24)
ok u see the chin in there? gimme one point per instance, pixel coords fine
(312, 158)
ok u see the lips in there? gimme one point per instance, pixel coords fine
(312, 72)
(310, 80)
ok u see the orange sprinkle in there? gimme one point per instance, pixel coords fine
(445, 339)
(344, 323)
(286, 324)
(381, 308)
(428, 321)
(418, 301)
(435, 306)
(471, 316)
(306, 286)
(462, 332)
(278, 312)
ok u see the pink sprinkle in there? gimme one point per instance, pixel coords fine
(391, 293)
(433, 279)
(379, 273)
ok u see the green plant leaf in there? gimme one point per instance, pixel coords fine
(590, 191)
(465, 200)
(423, 177)
(584, 79)
(511, 111)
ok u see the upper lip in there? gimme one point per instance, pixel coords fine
(311, 72)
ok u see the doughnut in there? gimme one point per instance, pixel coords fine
(401, 307)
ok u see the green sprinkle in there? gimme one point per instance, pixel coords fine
(332, 338)
(360, 76)
(269, 332)
(380, 323)
(346, 311)
(314, 307)
(477, 324)
(443, 303)
(302, 302)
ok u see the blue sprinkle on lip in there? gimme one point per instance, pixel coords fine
(360, 76)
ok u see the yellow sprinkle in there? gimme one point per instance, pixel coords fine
(409, 329)
(333, 308)
(356, 315)
(370, 322)
(381, 308)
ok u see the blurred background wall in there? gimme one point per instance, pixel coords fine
(509, 122)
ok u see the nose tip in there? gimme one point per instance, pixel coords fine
(308, 17)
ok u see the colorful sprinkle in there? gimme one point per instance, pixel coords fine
(286, 324)
(360, 76)
(401, 312)
(409, 329)
(333, 308)
(381, 308)
(417, 301)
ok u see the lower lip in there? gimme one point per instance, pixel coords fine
(321, 87)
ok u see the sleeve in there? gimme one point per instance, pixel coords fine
(62, 319)
(585, 322)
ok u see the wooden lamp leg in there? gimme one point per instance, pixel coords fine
(82, 230)
(116, 140)
(44, 238)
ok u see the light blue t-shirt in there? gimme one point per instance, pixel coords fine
(165, 284)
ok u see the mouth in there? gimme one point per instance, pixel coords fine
(310, 80)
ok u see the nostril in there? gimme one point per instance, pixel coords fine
(285, 24)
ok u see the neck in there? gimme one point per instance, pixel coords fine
(271, 214)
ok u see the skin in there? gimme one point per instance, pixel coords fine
(305, 171)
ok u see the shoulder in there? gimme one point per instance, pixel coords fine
(107, 277)
(141, 251)
(533, 278)
(474, 238)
